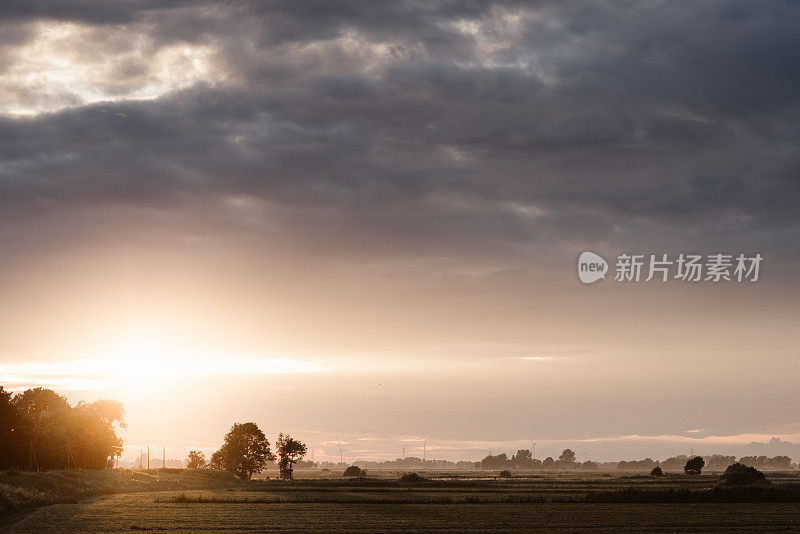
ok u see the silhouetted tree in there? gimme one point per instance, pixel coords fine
(548, 463)
(40, 430)
(567, 456)
(289, 451)
(354, 471)
(739, 474)
(9, 448)
(657, 472)
(694, 466)
(522, 460)
(499, 461)
(244, 452)
(216, 460)
(196, 460)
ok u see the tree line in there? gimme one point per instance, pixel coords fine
(246, 451)
(523, 461)
(39, 430)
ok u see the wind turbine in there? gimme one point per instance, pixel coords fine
(404, 450)
(341, 461)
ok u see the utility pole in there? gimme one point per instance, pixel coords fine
(164, 457)
(424, 452)
(148, 457)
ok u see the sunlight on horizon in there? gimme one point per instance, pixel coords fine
(142, 360)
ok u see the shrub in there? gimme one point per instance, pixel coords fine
(739, 475)
(694, 466)
(505, 473)
(657, 472)
(354, 471)
(173, 470)
(412, 478)
(196, 460)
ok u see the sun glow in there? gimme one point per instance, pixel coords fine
(143, 362)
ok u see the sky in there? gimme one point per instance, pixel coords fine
(359, 222)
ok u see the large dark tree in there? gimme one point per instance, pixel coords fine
(245, 451)
(289, 451)
(694, 466)
(9, 446)
(39, 430)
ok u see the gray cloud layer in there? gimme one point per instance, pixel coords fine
(455, 127)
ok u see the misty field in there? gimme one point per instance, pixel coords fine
(444, 502)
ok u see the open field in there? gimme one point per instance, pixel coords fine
(23, 490)
(447, 502)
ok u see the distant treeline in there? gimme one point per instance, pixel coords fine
(400, 464)
(715, 462)
(39, 430)
(523, 461)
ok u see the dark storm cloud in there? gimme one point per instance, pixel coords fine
(451, 127)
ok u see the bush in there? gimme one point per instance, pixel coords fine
(694, 466)
(411, 478)
(354, 471)
(505, 473)
(657, 472)
(739, 475)
(173, 470)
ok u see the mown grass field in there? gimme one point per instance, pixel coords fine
(446, 502)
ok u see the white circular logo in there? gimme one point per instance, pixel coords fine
(591, 267)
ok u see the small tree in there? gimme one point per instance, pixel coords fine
(739, 475)
(196, 460)
(354, 471)
(245, 451)
(568, 456)
(289, 451)
(657, 472)
(694, 466)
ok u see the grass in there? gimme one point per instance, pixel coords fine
(778, 493)
(20, 490)
(189, 501)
